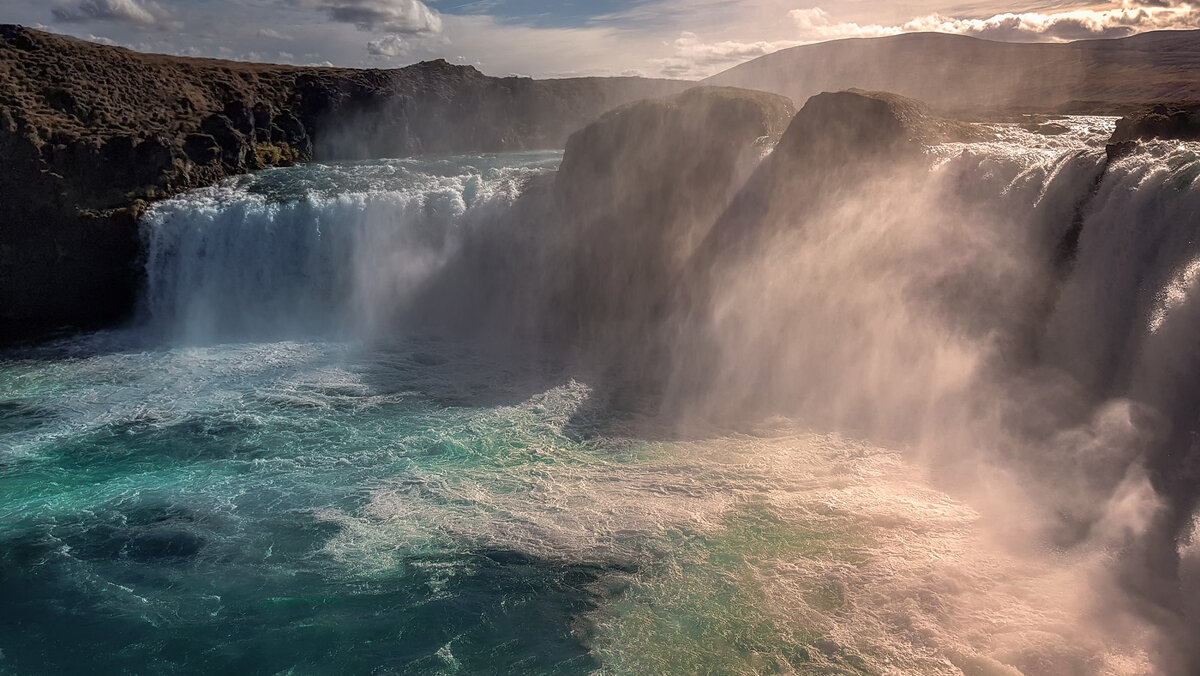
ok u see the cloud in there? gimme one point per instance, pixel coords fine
(817, 24)
(405, 17)
(119, 11)
(272, 34)
(389, 46)
(695, 58)
(1117, 20)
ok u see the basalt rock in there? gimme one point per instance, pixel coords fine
(1173, 122)
(1168, 121)
(612, 231)
(837, 140)
(639, 189)
(1179, 122)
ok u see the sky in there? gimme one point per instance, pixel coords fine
(688, 39)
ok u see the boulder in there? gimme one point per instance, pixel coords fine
(856, 125)
(639, 188)
(1174, 122)
(1179, 122)
(837, 140)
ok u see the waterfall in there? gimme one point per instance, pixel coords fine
(329, 250)
(1024, 302)
(1018, 318)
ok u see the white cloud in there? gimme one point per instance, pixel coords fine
(272, 34)
(817, 24)
(1115, 20)
(391, 16)
(389, 46)
(119, 11)
(695, 58)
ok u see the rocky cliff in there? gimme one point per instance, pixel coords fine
(1179, 121)
(90, 133)
(592, 256)
(1176, 121)
(834, 142)
(641, 187)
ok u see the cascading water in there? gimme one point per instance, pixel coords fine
(238, 484)
(317, 250)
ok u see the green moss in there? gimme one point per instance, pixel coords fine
(275, 155)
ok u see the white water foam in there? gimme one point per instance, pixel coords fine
(317, 250)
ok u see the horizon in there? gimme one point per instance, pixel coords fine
(698, 79)
(649, 38)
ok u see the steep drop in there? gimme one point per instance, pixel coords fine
(321, 250)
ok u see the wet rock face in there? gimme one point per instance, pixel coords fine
(840, 147)
(1175, 122)
(837, 140)
(690, 143)
(641, 186)
(855, 125)
(1180, 122)
(588, 261)
(89, 132)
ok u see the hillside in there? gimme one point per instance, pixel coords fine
(969, 76)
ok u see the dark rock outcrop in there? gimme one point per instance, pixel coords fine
(594, 265)
(835, 141)
(1173, 122)
(90, 133)
(640, 188)
(1179, 122)
(1120, 150)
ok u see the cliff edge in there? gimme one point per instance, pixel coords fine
(90, 133)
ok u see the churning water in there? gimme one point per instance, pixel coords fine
(270, 475)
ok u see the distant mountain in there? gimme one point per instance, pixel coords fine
(964, 75)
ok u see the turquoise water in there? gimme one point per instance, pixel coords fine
(325, 507)
(172, 511)
(266, 476)
(412, 507)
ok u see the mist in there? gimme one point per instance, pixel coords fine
(1014, 313)
(419, 370)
